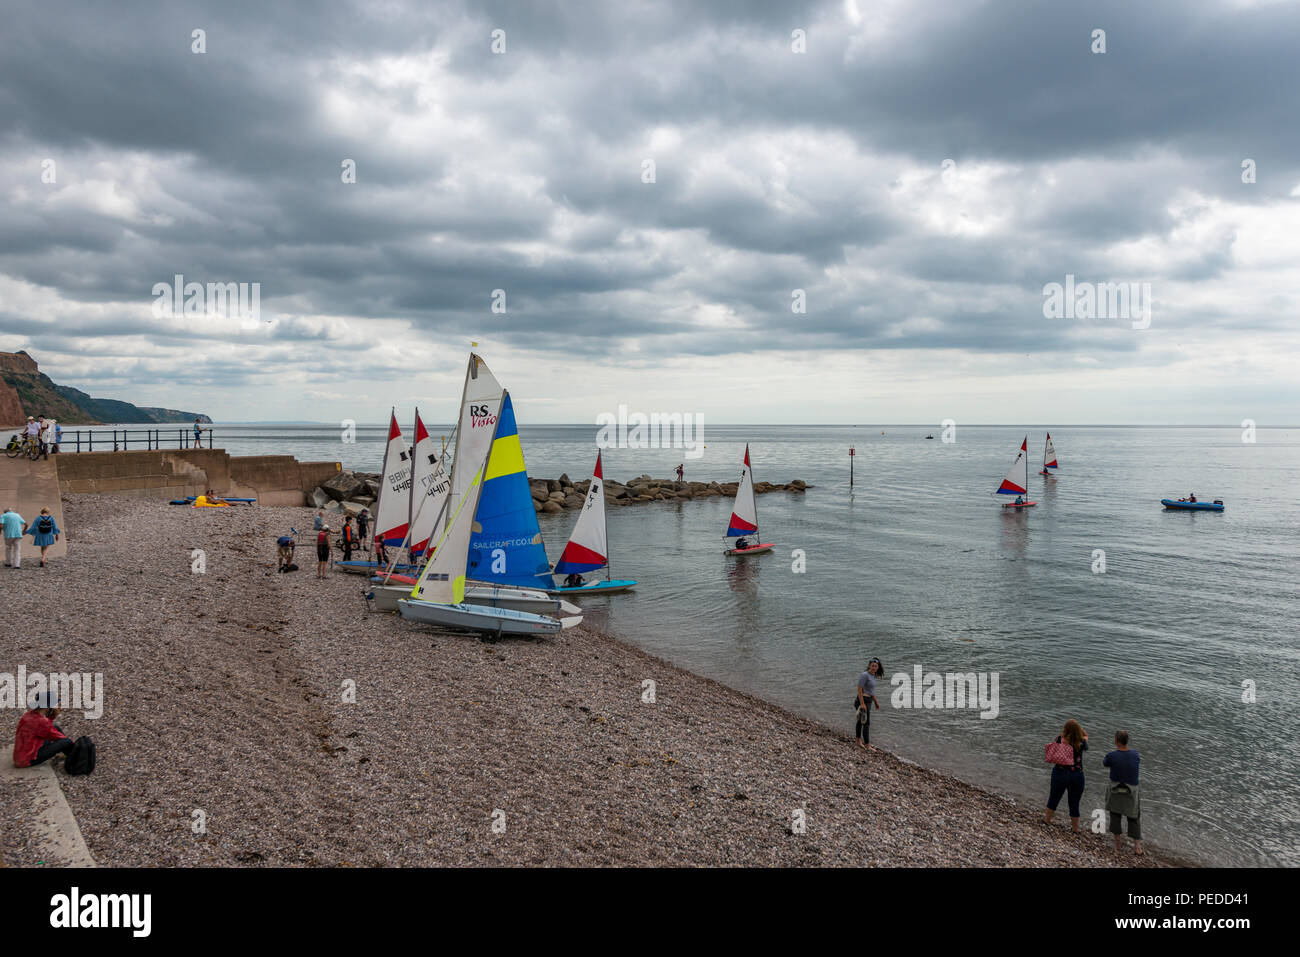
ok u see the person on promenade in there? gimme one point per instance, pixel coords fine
(363, 529)
(44, 532)
(14, 530)
(33, 431)
(348, 538)
(1122, 799)
(322, 550)
(865, 699)
(38, 738)
(58, 437)
(198, 434)
(47, 438)
(1068, 778)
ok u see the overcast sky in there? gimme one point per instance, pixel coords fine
(774, 171)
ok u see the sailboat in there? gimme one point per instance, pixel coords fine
(392, 511)
(506, 547)
(438, 597)
(1049, 457)
(744, 514)
(588, 546)
(1017, 480)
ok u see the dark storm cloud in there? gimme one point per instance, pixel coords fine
(775, 171)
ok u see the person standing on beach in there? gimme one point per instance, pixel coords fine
(865, 700)
(381, 551)
(319, 522)
(1122, 799)
(14, 530)
(38, 738)
(322, 550)
(44, 532)
(1068, 778)
(348, 538)
(363, 528)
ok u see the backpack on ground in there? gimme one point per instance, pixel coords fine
(81, 759)
(45, 525)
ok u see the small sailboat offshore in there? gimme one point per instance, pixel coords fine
(1190, 504)
(588, 546)
(438, 597)
(744, 516)
(1017, 481)
(1049, 457)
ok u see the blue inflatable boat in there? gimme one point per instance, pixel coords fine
(1182, 503)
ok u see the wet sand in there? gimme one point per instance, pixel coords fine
(224, 694)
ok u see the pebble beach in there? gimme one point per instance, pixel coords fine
(256, 718)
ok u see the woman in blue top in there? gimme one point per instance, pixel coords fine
(865, 699)
(44, 532)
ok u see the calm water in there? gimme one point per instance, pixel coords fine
(918, 565)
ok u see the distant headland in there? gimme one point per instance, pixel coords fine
(25, 390)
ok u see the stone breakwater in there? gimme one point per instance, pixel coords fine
(349, 492)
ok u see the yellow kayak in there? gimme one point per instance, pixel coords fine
(203, 502)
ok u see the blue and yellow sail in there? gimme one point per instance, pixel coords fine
(506, 545)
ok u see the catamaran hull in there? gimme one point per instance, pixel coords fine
(597, 588)
(1192, 506)
(387, 596)
(482, 619)
(755, 550)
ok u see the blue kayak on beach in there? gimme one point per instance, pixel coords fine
(1182, 503)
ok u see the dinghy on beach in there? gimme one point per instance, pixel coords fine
(588, 547)
(744, 515)
(1017, 480)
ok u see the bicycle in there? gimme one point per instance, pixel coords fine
(26, 446)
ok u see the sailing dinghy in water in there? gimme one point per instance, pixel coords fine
(744, 516)
(1017, 480)
(1049, 457)
(588, 546)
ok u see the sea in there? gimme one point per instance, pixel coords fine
(1097, 604)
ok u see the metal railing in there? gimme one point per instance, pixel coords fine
(113, 440)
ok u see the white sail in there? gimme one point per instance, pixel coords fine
(1017, 480)
(443, 578)
(480, 404)
(430, 486)
(588, 548)
(1049, 454)
(392, 511)
(744, 514)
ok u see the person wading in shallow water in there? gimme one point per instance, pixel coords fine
(1068, 778)
(866, 700)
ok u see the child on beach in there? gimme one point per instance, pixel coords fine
(44, 532)
(1068, 778)
(363, 527)
(322, 550)
(38, 738)
(14, 530)
(865, 699)
(1122, 800)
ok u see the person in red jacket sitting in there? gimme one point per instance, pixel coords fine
(38, 738)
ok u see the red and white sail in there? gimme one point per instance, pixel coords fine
(480, 405)
(588, 547)
(744, 514)
(1017, 480)
(1049, 454)
(430, 487)
(392, 511)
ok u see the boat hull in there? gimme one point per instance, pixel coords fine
(357, 567)
(597, 588)
(1019, 504)
(482, 619)
(386, 597)
(754, 550)
(1173, 505)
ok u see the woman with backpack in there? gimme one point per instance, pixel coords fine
(1065, 754)
(322, 550)
(44, 532)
